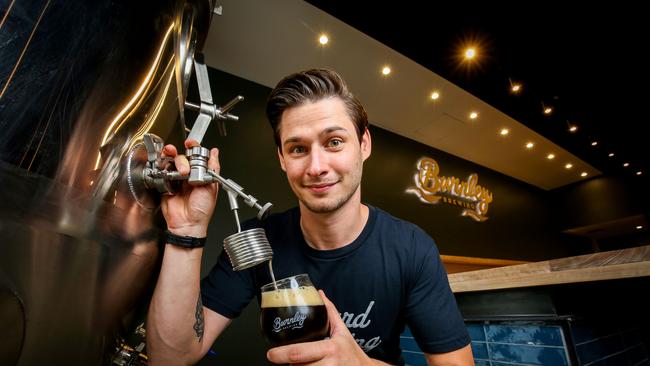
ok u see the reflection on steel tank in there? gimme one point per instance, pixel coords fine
(81, 82)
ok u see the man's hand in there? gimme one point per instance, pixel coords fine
(340, 349)
(188, 212)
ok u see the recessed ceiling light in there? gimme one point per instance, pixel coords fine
(514, 86)
(639, 172)
(550, 156)
(568, 166)
(473, 115)
(530, 145)
(323, 39)
(573, 128)
(470, 53)
(594, 143)
(386, 70)
(611, 155)
(504, 131)
(583, 174)
(548, 110)
(639, 227)
(626, 164)
(435, 95)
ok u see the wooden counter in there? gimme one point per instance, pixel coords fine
(455, 264)
(617, 264)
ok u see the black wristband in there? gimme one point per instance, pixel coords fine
(184, 241)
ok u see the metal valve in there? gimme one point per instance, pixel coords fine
(245, 248)
(208, 111)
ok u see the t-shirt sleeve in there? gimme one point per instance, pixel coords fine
(226, 291)
(431, 311)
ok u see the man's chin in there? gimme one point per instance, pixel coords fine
(322, 207)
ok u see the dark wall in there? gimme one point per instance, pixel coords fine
(521, 223)
(602, 199)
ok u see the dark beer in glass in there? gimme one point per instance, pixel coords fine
(293, 312)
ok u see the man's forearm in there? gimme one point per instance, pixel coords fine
(175, 322)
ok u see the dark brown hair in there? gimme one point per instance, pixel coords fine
(311, 86)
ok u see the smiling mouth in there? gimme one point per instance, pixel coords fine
(321, 187)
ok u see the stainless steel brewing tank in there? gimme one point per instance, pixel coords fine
(80, 83)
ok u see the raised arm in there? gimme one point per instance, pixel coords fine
(179, 329)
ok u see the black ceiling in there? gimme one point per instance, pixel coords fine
(588, 63)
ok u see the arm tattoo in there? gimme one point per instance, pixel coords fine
(199, 325)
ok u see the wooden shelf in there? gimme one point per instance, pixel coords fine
(625, 263)
(455, 264)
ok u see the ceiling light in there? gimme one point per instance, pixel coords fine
(550, 156)
(385, 70)
(583, 174)
(548, 110)
(573, 128)
(504, 131)
(435, 95)
(470, 53)
(514, 87)
(594, 143)
(323, 39)
(611, 155)
(626, 164)
(639, 172)
(473, 115)
(568, 166)
(639, 227)
(530, 145)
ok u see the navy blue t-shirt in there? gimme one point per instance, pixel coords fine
(391, 275)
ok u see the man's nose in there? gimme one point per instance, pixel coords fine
(317, 163)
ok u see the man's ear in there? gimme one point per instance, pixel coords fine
(366, 145)
(281, 158)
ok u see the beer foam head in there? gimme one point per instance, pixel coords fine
(302, 296)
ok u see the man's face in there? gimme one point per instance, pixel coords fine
(321, 154)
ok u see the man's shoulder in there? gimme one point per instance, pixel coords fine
(401, 235)
(390, 223)
(402, 245)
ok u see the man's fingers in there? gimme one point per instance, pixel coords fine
(182, 165)
(299, 352)
(169, 151)
(181, 162)
(213, 162)
(336, 324)
(191, 143)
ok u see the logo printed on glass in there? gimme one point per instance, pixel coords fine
(295, 322)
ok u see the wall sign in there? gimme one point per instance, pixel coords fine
(432, 188)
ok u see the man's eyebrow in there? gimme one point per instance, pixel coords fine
(332, 129)
(291, 140)
(325, 132)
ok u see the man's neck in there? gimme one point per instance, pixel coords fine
(334, 229)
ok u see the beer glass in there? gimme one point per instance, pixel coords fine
(292, 311)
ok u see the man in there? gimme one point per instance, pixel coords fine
(379, 272)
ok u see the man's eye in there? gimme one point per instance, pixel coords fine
(297, 150)
(335, 143)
